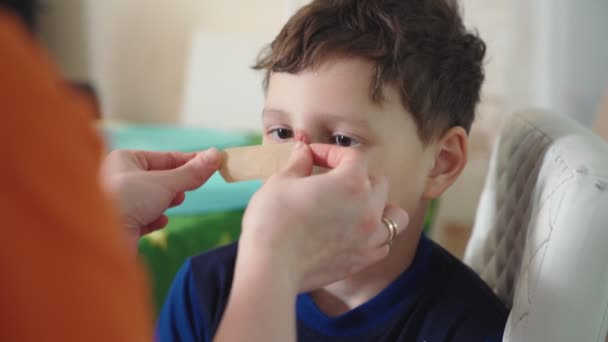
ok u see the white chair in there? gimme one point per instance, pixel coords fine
(600, 125)
(540, 238)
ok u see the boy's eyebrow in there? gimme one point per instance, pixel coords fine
(272, 110)
(334, 117)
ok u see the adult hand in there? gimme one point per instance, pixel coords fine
(145, 184)
(301, 232)
(320, 228)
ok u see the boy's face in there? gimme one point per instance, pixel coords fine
(332, 104)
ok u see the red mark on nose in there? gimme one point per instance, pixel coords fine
(303, 137)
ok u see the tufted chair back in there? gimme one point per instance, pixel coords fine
(540, 238)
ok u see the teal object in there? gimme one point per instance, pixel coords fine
(215, 196)
(171, 138)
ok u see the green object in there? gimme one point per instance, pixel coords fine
(216, 196)
(430, 216)
(164, 251)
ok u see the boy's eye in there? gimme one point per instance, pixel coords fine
(281, 133)
(344, 141)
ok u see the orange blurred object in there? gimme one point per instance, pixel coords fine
(67, 274)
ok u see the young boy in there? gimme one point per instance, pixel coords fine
(399, 80)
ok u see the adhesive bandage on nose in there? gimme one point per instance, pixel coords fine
(254, 162)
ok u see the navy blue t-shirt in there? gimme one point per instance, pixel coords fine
(437, 298)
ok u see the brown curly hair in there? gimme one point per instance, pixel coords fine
(420, 46)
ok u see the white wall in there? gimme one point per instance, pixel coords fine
(490, 18)
(221, 90)
(140, 48)
(558, 56)
(135, 50)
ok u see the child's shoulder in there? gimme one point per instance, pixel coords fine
(460, 295)
(459, 278)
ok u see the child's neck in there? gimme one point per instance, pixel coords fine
(342, 296)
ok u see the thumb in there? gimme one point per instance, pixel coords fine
(193, 174)
(300, 162)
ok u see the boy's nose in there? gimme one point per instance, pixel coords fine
(303, 137)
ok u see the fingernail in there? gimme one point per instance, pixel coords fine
(298, 145)
(212, 155)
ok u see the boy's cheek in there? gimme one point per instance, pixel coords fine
(405, 194)
(405, 180)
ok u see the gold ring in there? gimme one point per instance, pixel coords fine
(392, 229)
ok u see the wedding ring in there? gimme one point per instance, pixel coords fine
(392, 229)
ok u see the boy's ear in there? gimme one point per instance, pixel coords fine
(449, 161)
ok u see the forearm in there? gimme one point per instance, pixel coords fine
(262, 303)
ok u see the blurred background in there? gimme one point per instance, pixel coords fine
(186, 62)
(175, 75)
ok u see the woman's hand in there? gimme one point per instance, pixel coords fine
(321, 228)
(145, 184)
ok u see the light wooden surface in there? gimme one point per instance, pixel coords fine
(254, 162)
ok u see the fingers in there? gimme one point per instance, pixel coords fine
(300, 162)
(156, 161)
(379, 193)
(179, 199)
(193, 174)
(398, 216)
(328, 156)
(157, 224)
(331, 156)
(344, 163)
